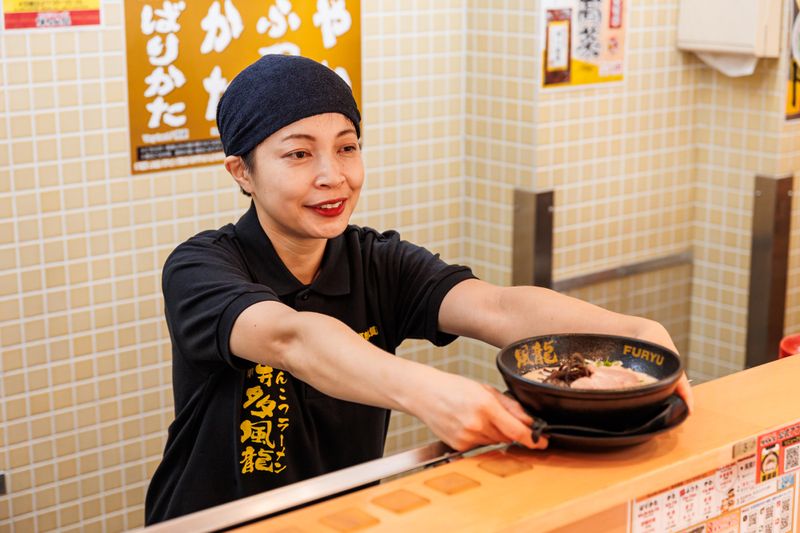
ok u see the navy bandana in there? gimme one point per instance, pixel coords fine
(274, 92)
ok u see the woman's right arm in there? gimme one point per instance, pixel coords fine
(325, 353)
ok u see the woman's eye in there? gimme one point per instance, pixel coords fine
(350, 148)
(298, 155)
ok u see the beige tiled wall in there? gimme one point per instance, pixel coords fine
(738, 124)
(500, 137)
(618, 157)
(657, 164)
(85, 393)
(740, 133)
(413, 71)
(454, 121)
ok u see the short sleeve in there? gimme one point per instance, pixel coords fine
(206, 285)
(418, 281)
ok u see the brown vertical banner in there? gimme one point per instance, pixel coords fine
(182, 55)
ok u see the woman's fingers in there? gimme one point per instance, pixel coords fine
(512, 421)
(466, 414)
(511, 405)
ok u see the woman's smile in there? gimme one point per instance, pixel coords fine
(329, 208)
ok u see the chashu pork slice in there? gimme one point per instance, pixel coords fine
(608, 377)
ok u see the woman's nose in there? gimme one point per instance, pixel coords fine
(329, 172)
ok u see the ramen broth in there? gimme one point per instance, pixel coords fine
(601, 375)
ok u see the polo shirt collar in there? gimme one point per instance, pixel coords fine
(268, 269)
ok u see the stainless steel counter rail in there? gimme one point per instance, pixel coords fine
(650, 265)
(267, 503)
(532, 248)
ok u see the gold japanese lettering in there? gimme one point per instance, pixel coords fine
(247, 460)
(258, 432)
(253, 394)
(522, 355)
(264, 437)
(549, 354)
(264, 374)
(265, 407)
(371, 332)
(538, 360)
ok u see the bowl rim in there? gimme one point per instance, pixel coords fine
(600, 394)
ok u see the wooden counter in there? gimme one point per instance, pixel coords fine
(522, 490)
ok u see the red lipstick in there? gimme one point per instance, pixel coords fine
(329, 208)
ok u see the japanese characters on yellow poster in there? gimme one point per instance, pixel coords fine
(583, 42)
(793, 80)
(181, 56)
(20, 14)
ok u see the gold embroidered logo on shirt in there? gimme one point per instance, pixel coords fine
(264, 409)
(371, 332)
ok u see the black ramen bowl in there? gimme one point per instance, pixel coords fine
(611, 409)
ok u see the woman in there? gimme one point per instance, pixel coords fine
(283, 325)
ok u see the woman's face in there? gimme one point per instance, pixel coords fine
(307, 178)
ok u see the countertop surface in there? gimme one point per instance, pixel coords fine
(515, 489)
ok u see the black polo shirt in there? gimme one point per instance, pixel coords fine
(241, 428)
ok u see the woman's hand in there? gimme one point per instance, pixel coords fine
(466, 414)
(684, 390)
(657, 334)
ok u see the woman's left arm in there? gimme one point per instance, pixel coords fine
(502, 315)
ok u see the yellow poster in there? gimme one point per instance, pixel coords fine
(793, 79)
(22, 14)
(583, 42)
(182, 55)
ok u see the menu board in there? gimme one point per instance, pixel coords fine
(181, 56)
(720, 501)
(757, 493)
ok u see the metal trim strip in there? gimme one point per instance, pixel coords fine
(649, 265)
(271, 502)
(769, 263)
